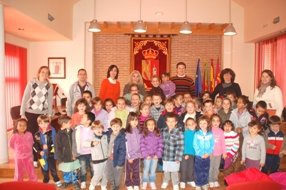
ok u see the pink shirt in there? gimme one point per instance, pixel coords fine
(22, 144)
(219, 147)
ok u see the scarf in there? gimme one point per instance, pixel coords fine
(226, 85)
(262, 89)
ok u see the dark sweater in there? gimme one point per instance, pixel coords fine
(184, 85)
(221, 91)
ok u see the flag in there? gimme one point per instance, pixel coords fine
(212, 79)
(206, 79)
(198, 82)
(217, 71)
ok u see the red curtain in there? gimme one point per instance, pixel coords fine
(15, 77)
(271, 54)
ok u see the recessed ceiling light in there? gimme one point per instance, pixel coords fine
(159, 13)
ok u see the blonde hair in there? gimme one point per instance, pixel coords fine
(96, 124)
(140, 77)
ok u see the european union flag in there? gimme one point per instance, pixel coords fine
(198, 82)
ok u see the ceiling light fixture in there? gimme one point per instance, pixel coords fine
(94, 25)
(229, 30)
(186, 26)
(140, 26)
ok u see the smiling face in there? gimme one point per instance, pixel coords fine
(21, 127)
(157, 100)
(113, 73)
(191, 124)
(43, 74)
(265, 78)
(134, 123)
(227, 127)
(135, 78)
(116, 129)
(145, 110)
(203, 124)
(150, 125)
(43, 125)
(181, 70)
(254, 130)
(171, 122)
(108, 106)
(155, 82)
(81, 108)
(82, 76)
(98, 131)
(215, 122)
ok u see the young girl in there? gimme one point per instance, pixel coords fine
(231, 143)
(240, 116)
(190, 113)
(100, 113)
(133, 153)
(187, 164)
(218, 103)
(148, 99)
(79, 110)
(253, 147)
(167, 85)
(22, 142)
(219, 150)
(108, 104)
(225, 111)
(151, 146)
(144, 115)
(204, 146)
(178, 100)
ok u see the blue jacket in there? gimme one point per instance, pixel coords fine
(48, 138)
(188, 142)
(119, 148)
(203, 143)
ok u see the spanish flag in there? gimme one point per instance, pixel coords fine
(212, 79)
(217, 71)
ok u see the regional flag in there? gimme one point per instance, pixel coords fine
(217, 71)
(212, 79)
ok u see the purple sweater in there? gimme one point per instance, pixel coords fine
(151, 145)
(133, 144)
(22, 144)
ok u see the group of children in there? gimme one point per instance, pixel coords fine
(187, 138)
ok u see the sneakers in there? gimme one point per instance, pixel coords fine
(83, 185)
(216, 184)
(153, 185)
(182, 185)
(63, 185)
(212, 185)
(91, 187)
(129, 188)
(103, 188)
(58, 184)
(136, 188)
(205, 187)
(176, 187)
(35, 163)
(192, 183)
(76, 186)
(164, 185)
(144, 185)
(198, 188)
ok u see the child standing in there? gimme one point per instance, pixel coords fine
(225, 111)
(116, 155)
(68, 163)
(100, 113)
(190, 113)
(167, 85)
(219, 150)
(231, 143)
(275, 140)
(99, 149)
(169, 108)
(82, 137)
(22, 143)
(133, 154)
(119, 112)
(157, 108)
(173, 141)
(144, 115)
(253, 147)
(204, 146)
(47, 151)
(151, 146)
(187, 164)
(79, 110)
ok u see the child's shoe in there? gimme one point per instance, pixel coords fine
(153, 185)
(176, 187)
(76, 186)
(91, 187)
(58, 184)
(211, 184)
(103, 188)
(136, 188)
(192, 183)
(182, 185)
(129, 188)
(164, 185)
(83, 185)
(144, 185)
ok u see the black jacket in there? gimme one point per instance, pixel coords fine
(63, 145)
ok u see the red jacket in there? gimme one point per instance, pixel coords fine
(276, 140)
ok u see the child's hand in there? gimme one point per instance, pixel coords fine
(45, 147)
(130, 161)
(224, 156)
(242, 162)
(148, 157)
(273, 147)
(94, 143)
(238, 130)
(155, 157)
(187, 157)
(262, 164)
(205, 156)
(42, 153)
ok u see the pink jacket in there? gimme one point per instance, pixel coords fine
(219, 147)
(22, 144)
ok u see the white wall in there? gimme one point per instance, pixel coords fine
(78, 52)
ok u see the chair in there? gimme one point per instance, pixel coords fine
(15, 113)
(26, 185)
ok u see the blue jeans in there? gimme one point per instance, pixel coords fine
(202, 167)
(149, 167)
(85, 162)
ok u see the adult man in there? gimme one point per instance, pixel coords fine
(77, 89)
(182, 81)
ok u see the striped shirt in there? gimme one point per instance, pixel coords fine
(184, 84)
(231, 142)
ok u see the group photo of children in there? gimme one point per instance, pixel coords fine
(122, 138)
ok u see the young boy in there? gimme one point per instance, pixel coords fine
(100, 113)
(47, 135)
(157, 108)
(155, 81)
(169, 108)
(82, 137)
(208, 107)
(120, 111)
(116, 155)
(99, 150)
(260, 114)
(173, 141)
(275, 141)
(68, 164)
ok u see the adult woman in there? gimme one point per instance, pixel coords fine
(37, 100)
(110, 87)
(135, 78)
(269, 92)
(227, 77)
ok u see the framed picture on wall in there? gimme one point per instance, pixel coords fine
(57, 66)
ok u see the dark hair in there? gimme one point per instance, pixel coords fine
(90, 117)
(133, 85)
(244, 99)
(171, 115)
(204, 93)
(177, 95)
(274, 120)
(96, 124)
(208, 101)
(142, 105)
(255, 123)
(230, 103)
(121, 98)
(166, 74)
(261, 104)
(116, 121)
(131, 116)
(15, 130)
(181, 63)
(148, 95)
(273, 82)
(225, 71)
(110, 68)
(204, 118)
(87, 92)
(108, 100)
(96, 100)
(80, 71)
(170, 100)
(44, 67)
(190, 119)
(63, 119)
(228, 122)
(80, 101)
(145, 128)
(156, 94)
(216, 115)
(43, 118)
